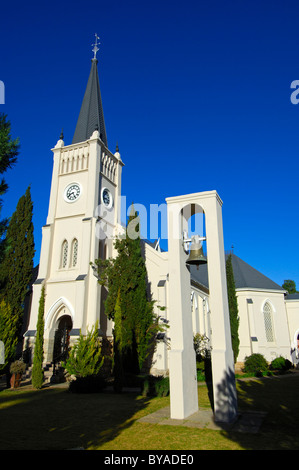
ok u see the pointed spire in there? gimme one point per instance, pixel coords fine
(91, 114)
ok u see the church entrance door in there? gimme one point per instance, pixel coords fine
(62, 339)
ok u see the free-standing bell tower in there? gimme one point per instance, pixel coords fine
(182, 364)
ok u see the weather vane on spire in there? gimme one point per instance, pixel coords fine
(95, 48)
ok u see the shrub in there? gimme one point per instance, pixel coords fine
(84, 362)
(281, 364)
(255, 364)
(155, 386)
(202, 347)
(85, 358)
(17, 367)
(162, 387)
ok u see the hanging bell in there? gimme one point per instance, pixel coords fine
(196, 256)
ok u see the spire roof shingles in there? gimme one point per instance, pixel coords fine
(91, 115)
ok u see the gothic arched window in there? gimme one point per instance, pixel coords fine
(74, 253)
(64, 253)
(268, 320)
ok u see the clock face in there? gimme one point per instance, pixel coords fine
(107, 198)
(72, 192)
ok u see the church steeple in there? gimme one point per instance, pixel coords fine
(91, 115)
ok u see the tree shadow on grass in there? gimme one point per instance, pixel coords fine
(277, 397)
(54, 419)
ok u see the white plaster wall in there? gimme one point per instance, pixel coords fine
(157, 270)
(252, 325)
(292, 310)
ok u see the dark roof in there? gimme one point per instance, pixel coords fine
(245, 276)
(91, 115)
(292, 296)
(200, 275)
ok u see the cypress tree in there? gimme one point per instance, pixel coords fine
(8, 334)
(37, 370)
(126, 277)
(118, 370)
(233, 307)
(9, 150)
(17, 267)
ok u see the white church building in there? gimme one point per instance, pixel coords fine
(84, 217)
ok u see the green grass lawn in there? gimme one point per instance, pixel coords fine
(54, 419)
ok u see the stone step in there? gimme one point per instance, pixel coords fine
(48, 372)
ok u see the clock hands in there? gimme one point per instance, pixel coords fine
(72, 192)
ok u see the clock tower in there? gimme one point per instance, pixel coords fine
(83, 218)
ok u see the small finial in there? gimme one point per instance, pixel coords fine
(117, 148)
(95, 48)
(61, 134)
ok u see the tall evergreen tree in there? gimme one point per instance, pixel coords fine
(233, 307)
(118, 346)
(9, 150)
(37, 370)
(126, 277)
(8, 334)
(16, 269)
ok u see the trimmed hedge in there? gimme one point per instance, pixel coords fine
(280, 364)
(255, 364)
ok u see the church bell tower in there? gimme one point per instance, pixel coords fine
(83, 218)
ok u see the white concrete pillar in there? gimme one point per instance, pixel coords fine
(183, 385)
(224, 388)
(182, 361)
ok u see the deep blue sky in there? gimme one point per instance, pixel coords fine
(197, 94)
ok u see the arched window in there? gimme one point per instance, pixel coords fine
(268, 319)
(74, 253)
(64, 253)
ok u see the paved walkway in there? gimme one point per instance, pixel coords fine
(247, 421)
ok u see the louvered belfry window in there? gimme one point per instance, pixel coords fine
(64, 254)
(74, 252)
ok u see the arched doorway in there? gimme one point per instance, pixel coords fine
(62, 339)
